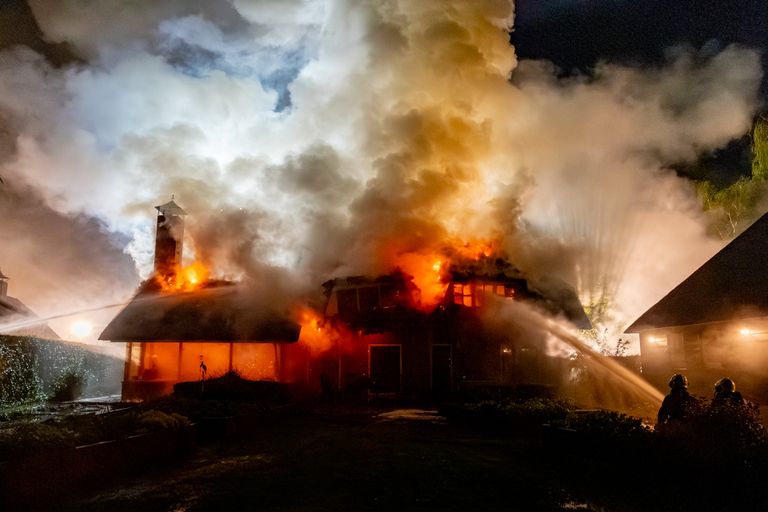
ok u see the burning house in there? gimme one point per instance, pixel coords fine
(372, 335)
(180, 324)
(386, 344)
(714, 323)
(15, 312)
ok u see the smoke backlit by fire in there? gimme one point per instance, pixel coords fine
(342, 137)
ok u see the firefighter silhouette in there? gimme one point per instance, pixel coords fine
(203, 369)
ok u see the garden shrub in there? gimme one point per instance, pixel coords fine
(154, 420)
(19, 380)
(231, 386)
(715, 433)
(32, 369)
(510, 415)
(32, 438)
(69, 387)
(606, 424)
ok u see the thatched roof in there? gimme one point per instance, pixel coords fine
(12, 311)
(732, 285)
(219, 312)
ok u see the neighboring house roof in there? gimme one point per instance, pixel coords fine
(222, 311)
(732, 285)
(12, 310)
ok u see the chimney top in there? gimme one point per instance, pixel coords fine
(170, 208)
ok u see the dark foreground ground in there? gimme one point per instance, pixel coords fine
(337, 460)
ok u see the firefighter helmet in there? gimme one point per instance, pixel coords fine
(725, 385)
(678, 381)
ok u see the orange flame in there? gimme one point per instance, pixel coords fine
(427, 272)
(314, 333)
(474, 250)
(186, 278)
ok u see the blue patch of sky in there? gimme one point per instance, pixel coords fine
(275, 67)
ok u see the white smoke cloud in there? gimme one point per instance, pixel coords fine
(331, 137)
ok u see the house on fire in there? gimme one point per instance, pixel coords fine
(376, 340)
(169, 335)
(714, 323)
(391, 347)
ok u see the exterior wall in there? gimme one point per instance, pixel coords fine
(152, 368)
(708, 352)
(449, 350)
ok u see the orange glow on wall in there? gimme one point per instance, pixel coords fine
(215, 356)
(160, 361)
(255, 361)
(176, 362)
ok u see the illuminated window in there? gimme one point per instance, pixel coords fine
(462, 294)
(657, 342)
(472, 294)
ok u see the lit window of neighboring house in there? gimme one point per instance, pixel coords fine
(658, 342)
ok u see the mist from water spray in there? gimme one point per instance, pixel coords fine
(612, 385)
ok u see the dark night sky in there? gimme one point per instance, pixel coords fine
(576, 34)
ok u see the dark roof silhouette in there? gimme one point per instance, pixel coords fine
(221, 311)
(732, 285)
(170, 208)
(12, 310)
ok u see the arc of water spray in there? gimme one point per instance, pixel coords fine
(643, 387)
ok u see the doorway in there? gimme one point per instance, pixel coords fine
(442, 370)
(385, 368)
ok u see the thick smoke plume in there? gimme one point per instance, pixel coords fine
(310, 139)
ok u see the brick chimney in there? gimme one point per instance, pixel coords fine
(169, 239)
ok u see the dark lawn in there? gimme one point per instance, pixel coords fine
(334, 460)
(340, 461)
